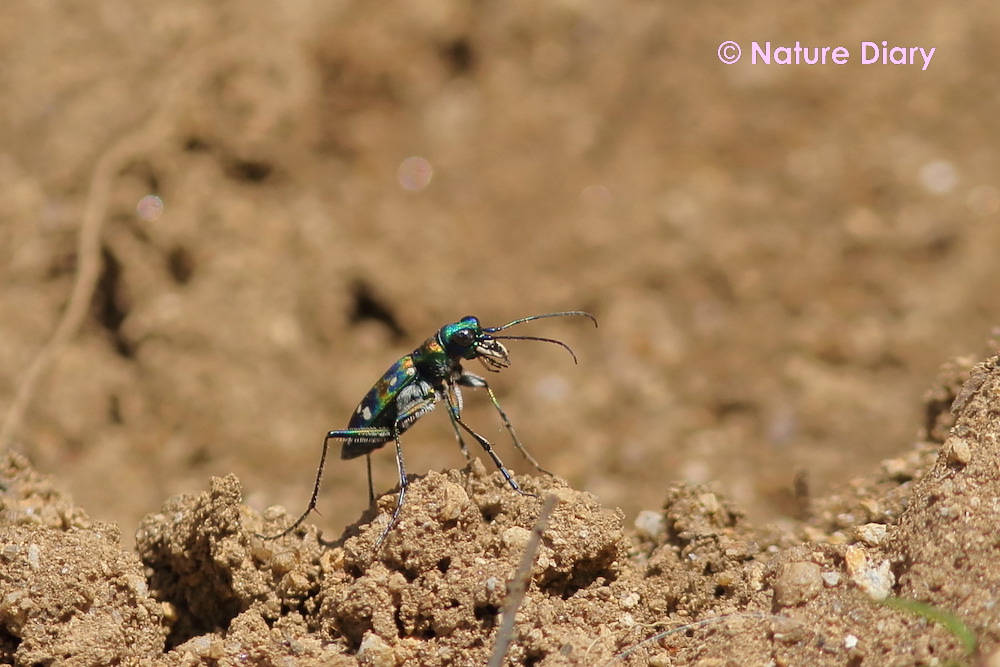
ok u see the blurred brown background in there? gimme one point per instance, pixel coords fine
(780, 256)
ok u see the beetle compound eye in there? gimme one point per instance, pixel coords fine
(464, 337)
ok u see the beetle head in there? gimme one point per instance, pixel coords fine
(466, 339)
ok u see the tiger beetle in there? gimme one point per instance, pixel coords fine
(411, 388)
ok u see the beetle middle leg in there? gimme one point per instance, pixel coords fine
(371, 487)
(455, 396)
(403, 483)
(402, 419)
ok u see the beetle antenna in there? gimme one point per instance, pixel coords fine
(539, 317)
(544, 340)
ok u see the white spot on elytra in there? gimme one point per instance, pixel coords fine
(393, 380)
(366, 413)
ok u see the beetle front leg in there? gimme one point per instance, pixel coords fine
(489, 450)
(470, 380)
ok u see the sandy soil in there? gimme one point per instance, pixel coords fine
(695, 583)
(781, 259)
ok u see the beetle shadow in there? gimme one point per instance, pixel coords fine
(368, 516)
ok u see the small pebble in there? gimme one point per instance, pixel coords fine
(137, 584)
(630, 600)
(296, 583)
(374, 652)
(455, 500)
(515, 537)
(831, 578)
(283, 562)
(797, 583)
(709, 503)
(871, 534)
(957, 450)
(650, 524)
(875, 581)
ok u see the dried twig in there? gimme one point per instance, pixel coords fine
(88, 252)
(683, 628)
(517, 586)
(149, 133)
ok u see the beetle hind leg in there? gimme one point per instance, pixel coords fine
(365, 436)
(311, 507)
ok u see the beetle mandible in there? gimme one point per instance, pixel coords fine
(414, 385)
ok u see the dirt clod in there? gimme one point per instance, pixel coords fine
(68, 590)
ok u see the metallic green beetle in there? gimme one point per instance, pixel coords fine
(413, 386)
